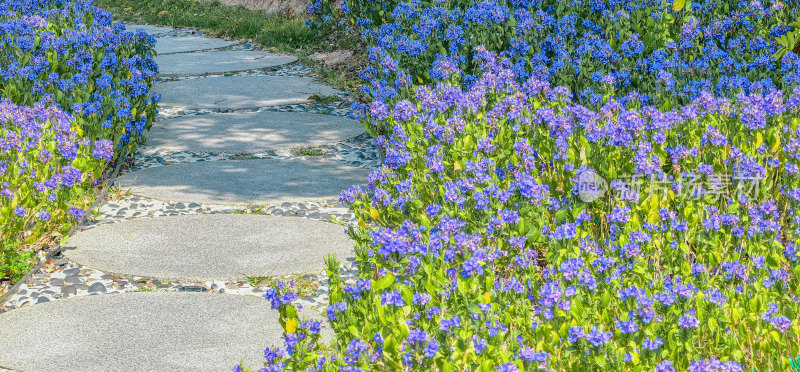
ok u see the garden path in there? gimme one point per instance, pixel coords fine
(236, 186)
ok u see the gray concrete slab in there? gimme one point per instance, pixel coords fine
(150, 29)
(210, 246)
(199, 63)
(245, 182)
(179, 44)
(239, 92)
(250, 131)
(155, 331)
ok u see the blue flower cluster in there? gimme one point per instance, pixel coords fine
(492, 249)
(595, 48)
(69, 53)
(75, 96)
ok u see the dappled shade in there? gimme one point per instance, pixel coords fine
(197, 63)
(167, 45)
(250, 131)
(239, 92)
(245, 182)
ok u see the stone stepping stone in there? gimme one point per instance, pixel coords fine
(239, 92)
(250, 131)
(245, 182)
(199, 63)
(157, 331)
(207, 247)
(150, 29)
(181, 44)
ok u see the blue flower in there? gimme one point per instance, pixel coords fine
(652, 343)
(392, 298)
(688, 320)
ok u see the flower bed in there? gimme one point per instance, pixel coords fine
(75, 96)
(594, 48)
(611, 185)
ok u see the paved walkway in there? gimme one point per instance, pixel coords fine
(236, 186)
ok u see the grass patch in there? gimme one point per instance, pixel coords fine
(256, 280)
(308, 151)
(303, 287)
(324, 100)
(276, 32)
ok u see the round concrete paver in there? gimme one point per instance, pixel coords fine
(250, 131)
(156, 331)
(239, 92)
(199, 63)
(210, 246)
(150, 29)
(245, 182)
(166, 45)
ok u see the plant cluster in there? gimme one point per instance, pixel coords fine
(75, 96)
(592, 47)
(584, 185)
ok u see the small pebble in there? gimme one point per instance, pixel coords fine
(192, 288)
(69, 291)
(97, 287)
(73, 271)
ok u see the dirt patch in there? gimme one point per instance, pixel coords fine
(336, 57)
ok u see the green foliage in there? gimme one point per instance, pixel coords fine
(308, 151)
(788, 42)
(75, 97)
(14, 262)
(256, 280)
(324, 100)
(498, 238)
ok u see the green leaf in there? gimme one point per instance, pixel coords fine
(354, 331)
(773, 261)
(677, 5)
(383, 283)
(407, 293)
(447, 366)
(600, 360)
(712, 324)
(381, 309)
(605, 300)
(390, 352)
